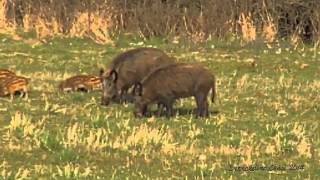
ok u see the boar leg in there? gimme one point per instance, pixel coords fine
(144, 111)
(21, 93)
(161, 108)
(88, 89)
(200, 100)
(25, 94)
(127, 98)
(205, 109)
(169, 108)
(123, 94)
(198, 106)
(11, 96)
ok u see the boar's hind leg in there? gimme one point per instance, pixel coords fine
(202, 105)
(205, 109)
(25, 94)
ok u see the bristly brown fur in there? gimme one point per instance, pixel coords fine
(175, 81)
(6, 71)
(130, 67)
(5, 74)
(81, 82)
(15, 84)
(131, 55)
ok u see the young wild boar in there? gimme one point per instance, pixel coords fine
(13, 85)
(5, 74)
(128, 68)
(85, 83)
(172, 82)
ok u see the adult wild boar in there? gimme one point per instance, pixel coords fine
(166, 84)
(128, 68)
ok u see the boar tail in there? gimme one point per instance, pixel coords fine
(213, 89)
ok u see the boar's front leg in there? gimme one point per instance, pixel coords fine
(123, 96)
(127, 98)
(160, 107)
(169, 107)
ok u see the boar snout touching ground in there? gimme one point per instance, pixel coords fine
(128, 68)
(110, 90)
(166, 84)
(111, 93)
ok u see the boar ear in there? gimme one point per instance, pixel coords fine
(114, 75)
(137, 89)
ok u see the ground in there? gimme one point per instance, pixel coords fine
(264, 124)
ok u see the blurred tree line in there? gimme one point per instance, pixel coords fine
(196, 19)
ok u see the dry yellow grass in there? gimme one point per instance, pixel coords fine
(3, 5)
(269, 30)
(262, 114)
(93, 25)
(248, 28)
(45, 28)
(97, 18)
(295, 39)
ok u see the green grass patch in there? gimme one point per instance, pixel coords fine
(266, 115)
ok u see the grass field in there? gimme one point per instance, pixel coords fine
(265, 123)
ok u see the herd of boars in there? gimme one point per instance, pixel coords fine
(156, 79)
(152, 75)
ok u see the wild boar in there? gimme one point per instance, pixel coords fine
(128, 68)
(5, 74)
(13, 85)
(166, 84)
(85, 83)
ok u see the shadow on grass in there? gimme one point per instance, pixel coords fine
(178, 111)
